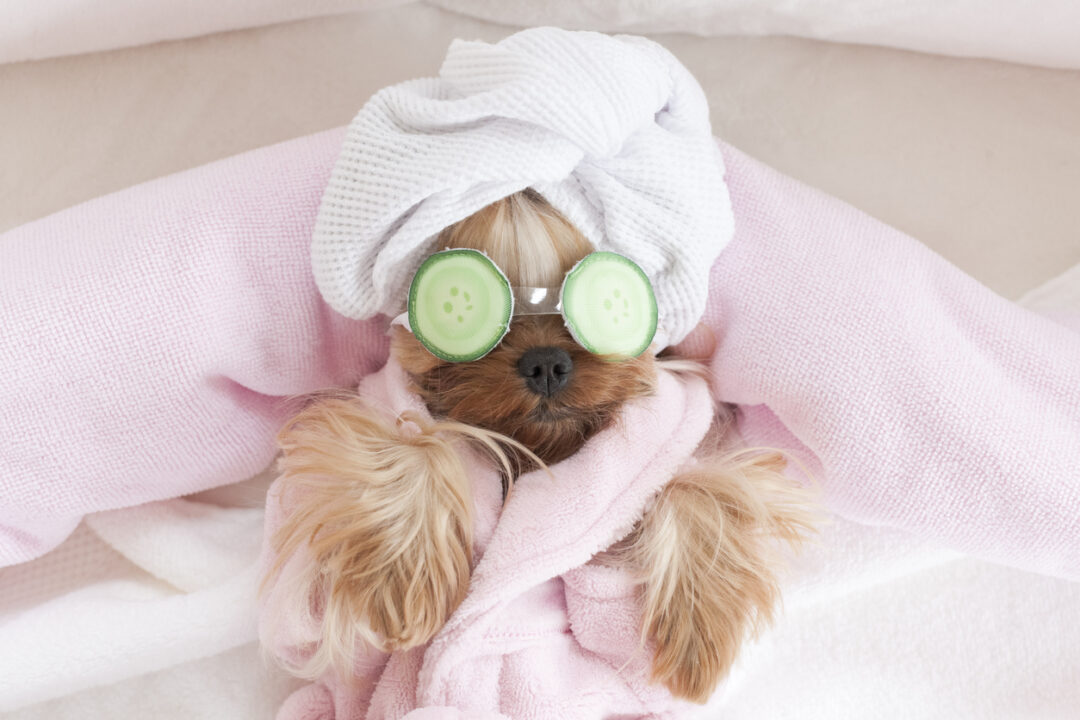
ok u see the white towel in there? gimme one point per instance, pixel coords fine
(612, 131)
(133, 591)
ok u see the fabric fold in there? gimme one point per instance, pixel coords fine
(613, 132)
(511, 646)
(862, 403)
(925, 401)
(151, 339)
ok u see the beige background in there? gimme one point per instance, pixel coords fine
(979, 159)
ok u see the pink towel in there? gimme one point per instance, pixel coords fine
(147, 337)
(928, 402)
(543, 632)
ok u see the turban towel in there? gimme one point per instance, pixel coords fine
(612, 131)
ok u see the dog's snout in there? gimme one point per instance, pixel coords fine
(546, 369)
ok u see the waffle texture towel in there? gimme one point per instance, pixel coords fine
(612, 131)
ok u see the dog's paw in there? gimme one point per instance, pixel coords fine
(696, 636)
(399, 573)
(707, 551)
(385, 513)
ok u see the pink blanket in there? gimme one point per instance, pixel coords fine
(543, 632)
(928, 402)
(148, 337)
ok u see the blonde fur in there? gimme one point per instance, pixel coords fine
(708, 551)
(526, 237)
(385, 512)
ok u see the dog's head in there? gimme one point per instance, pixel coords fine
(538, 385)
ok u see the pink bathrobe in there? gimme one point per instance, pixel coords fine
(543, 632)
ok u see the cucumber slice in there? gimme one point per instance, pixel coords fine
(460, 305)
(609, 305)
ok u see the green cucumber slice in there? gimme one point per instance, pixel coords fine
(609, 306)
(460, 305)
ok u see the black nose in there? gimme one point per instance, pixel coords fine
(546, 370)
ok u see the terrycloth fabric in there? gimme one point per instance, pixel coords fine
(845, 639)
(926, 402)
(930, 404)
(149, 337)
(543, 632)
(861, 589)
(174, 581)
(612, 131)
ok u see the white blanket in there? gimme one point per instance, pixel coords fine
(148, 612)
(1043, 33)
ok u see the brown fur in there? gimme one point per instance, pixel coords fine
(489, 393)
(708, 554)
(386, 514)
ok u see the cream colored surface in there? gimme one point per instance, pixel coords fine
(1001, 29)
(980, 160)
(35, 29)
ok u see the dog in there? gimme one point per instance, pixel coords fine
(385, 515)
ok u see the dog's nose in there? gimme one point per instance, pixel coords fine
(546, 369)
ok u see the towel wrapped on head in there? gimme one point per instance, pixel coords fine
(612, 131)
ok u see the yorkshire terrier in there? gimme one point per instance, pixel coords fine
(386, 516)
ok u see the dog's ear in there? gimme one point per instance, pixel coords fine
(410, 353)
(700, 344)
(707, 551)
(385, 513)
